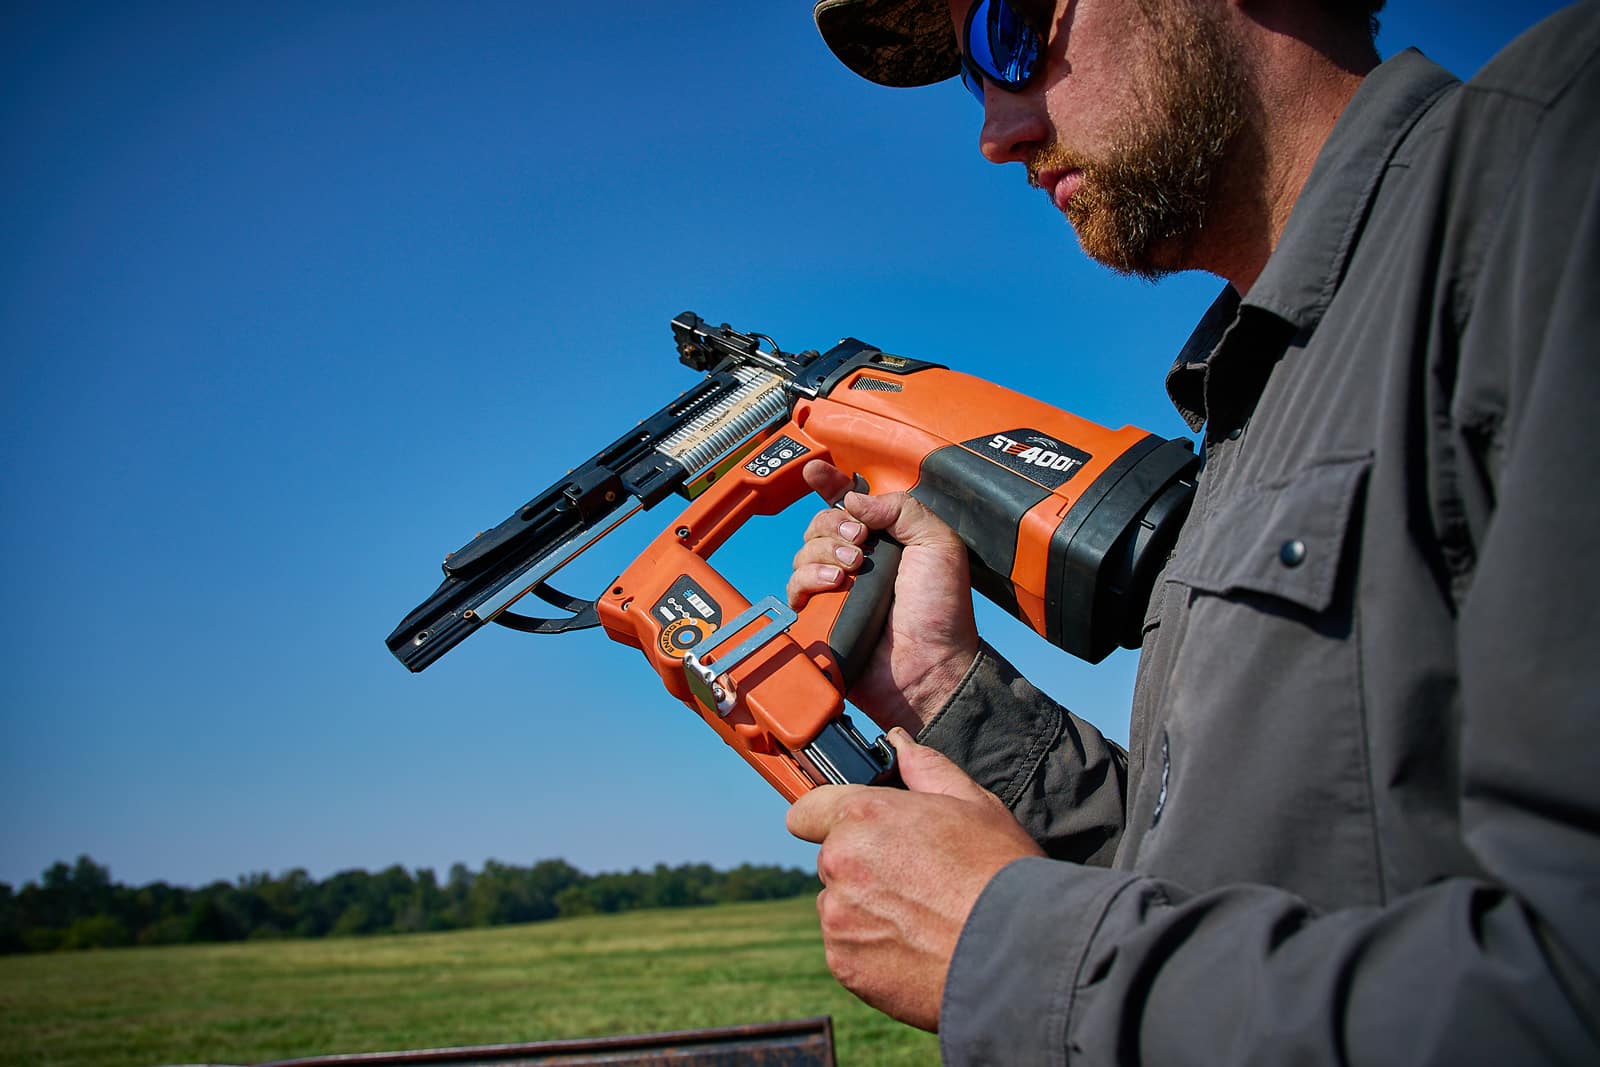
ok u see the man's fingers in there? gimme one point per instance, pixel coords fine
(830, 551)
(812, 816)
(826, 552)
(809, 580)
(833, 524)
(826, 480)
(927, 770)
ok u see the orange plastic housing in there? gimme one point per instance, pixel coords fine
(883, 426)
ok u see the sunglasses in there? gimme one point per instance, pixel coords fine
(999, 45)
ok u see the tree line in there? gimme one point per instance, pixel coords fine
(78, 906)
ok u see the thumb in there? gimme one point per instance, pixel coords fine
(927, 770)
(811, 818)
(903, 517)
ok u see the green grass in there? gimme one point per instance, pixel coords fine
(249, 1002)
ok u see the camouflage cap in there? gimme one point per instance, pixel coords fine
(891, 42)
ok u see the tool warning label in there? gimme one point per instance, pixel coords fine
(687, 614)
(779, 453)
(1034, 455)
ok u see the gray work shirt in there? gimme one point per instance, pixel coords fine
(1359, 820)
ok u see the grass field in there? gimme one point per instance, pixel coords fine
(249, 1002)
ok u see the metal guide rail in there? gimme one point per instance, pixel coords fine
(797, 1043)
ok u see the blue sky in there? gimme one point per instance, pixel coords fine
(295, 299)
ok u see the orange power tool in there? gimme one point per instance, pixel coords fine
(1066, 524)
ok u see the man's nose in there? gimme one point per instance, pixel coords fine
(1013, 125)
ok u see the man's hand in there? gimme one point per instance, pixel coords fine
(901, 870)
(930, 638)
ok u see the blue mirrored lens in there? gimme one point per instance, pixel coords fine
(972, 78)
(999, 46)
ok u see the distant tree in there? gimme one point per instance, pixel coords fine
(283, 902)
(617, 892)
(42, 938)
(388, 893)
(574, 901)
(10, 927)
(96, 931)
(747, 882)
(548, 880)
(79, 906)
(336, 896)
(168, 930)
(423, 908)
(355, 920)
(675, 887)
(159, 912)
(457, 892)
(211, 919)
(489, 898)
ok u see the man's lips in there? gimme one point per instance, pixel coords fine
(1060, 184)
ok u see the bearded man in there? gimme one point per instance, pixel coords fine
(1358, 820)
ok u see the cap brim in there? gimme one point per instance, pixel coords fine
(892, 42)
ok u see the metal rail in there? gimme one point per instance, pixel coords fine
(798, 1043)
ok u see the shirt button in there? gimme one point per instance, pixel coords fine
(1292, 553)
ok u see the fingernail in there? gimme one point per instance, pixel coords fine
(847, 554)
(850, 530)
(899, 736)
(831, 574)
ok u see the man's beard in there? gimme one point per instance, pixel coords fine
(1140, 205)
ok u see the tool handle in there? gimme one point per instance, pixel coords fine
(865, 610)
(785, 702)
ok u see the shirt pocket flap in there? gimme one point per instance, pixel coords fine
(1283, 539)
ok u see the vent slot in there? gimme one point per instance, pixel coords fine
(876, 385)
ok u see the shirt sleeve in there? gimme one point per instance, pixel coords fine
(1063, 780)
(1060, 963)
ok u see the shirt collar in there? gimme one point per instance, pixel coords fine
(1305, 269)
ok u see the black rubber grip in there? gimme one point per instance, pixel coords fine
(866, 606)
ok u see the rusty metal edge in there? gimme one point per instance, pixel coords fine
(724, 1039)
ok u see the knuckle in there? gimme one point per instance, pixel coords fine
(827, 870)
(824, 553)
(846, 965)
(838, 963)
(824, 523)
(865, 807)
(810, 576)
(844, 871)
(916, 511)
(830, 910)
(842, 868)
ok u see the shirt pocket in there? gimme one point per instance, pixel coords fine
(1282, 539)
(1252, 697)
